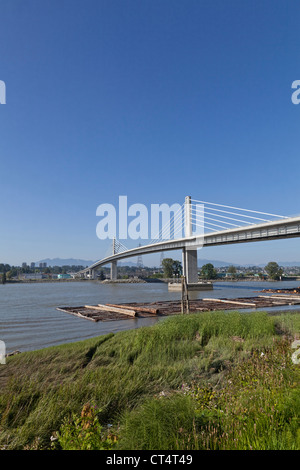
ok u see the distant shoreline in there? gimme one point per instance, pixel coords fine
(36, 281)
(136, 281)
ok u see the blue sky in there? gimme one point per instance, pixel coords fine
(155, 100)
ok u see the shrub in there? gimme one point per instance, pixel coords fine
(85, 432)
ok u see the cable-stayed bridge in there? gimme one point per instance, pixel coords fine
(198, 224)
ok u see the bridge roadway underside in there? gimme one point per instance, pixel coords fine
(284, 228)
(226, 239)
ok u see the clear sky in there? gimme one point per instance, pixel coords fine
(153, 99)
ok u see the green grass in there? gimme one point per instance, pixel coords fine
(195, 381)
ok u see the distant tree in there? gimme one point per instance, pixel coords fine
(3, 278)
(208, 271)
(101, 276)
(177, 268)
(156, 275)
(273, 270)
(231, 270)
(167, 265)
(9, 274)
(4, 268)
(171, 267)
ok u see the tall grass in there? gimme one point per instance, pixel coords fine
(257, 407)
(137, 376)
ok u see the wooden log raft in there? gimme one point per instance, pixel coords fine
(110, 312)
(76, 314)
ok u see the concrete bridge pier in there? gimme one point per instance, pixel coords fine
(189, 255)
(92, 274)
(113, 271)
(190, 265)
(113, 264)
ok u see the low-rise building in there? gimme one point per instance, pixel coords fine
(31, 276)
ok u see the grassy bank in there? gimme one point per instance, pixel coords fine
(203, 381)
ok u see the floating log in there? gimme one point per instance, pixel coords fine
(294, 300)
(231, 302)
(155, 311)
(118, 309)
(105, 308)
(286, 297)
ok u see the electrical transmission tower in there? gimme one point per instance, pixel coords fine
(140, 260)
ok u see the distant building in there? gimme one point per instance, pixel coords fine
(32, 276)
(43, 265)
(24, 265)
(73, 275)
(63, 276)
(32, 265)
(220, 275)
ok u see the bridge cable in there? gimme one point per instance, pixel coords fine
(240, 209)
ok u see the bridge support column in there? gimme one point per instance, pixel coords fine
(190, 265)
(93, 274)
(189, 256)
(113, 264)
(113, 271)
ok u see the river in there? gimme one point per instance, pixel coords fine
(29, 319)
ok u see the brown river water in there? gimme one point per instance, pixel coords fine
(29, 319)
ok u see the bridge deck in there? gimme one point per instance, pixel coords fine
(272, 230)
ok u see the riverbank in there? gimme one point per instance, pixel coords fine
(124, 281)
(105, 281)
(42, 281)
(201, 381)
(141, 280)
